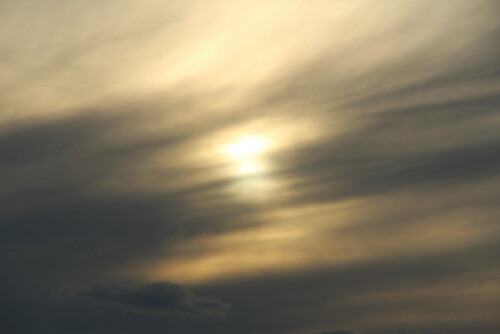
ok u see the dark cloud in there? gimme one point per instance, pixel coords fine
(161, 298)
(395, 150)
(55, 196)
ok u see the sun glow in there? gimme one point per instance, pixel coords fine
(245, 154)
(246, 147)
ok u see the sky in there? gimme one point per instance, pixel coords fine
(250, 167)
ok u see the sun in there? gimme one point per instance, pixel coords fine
(246, 147)
(246, 155)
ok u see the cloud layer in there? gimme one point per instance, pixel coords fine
(373, 207)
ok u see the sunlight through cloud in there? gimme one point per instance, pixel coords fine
(246, 147)
(245, 153)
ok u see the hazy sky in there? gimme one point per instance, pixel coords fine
(250, 167)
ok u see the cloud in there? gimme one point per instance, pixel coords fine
(64, 180)
(352, 295)
(392, 150)
(162, 298)
(111, 187)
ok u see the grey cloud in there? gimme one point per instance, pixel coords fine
(161, 298)
(62, 224)
(52, 199)
(435, 146)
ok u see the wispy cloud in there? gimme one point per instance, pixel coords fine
(372, 207)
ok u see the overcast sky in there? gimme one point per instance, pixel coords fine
(250, 167)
